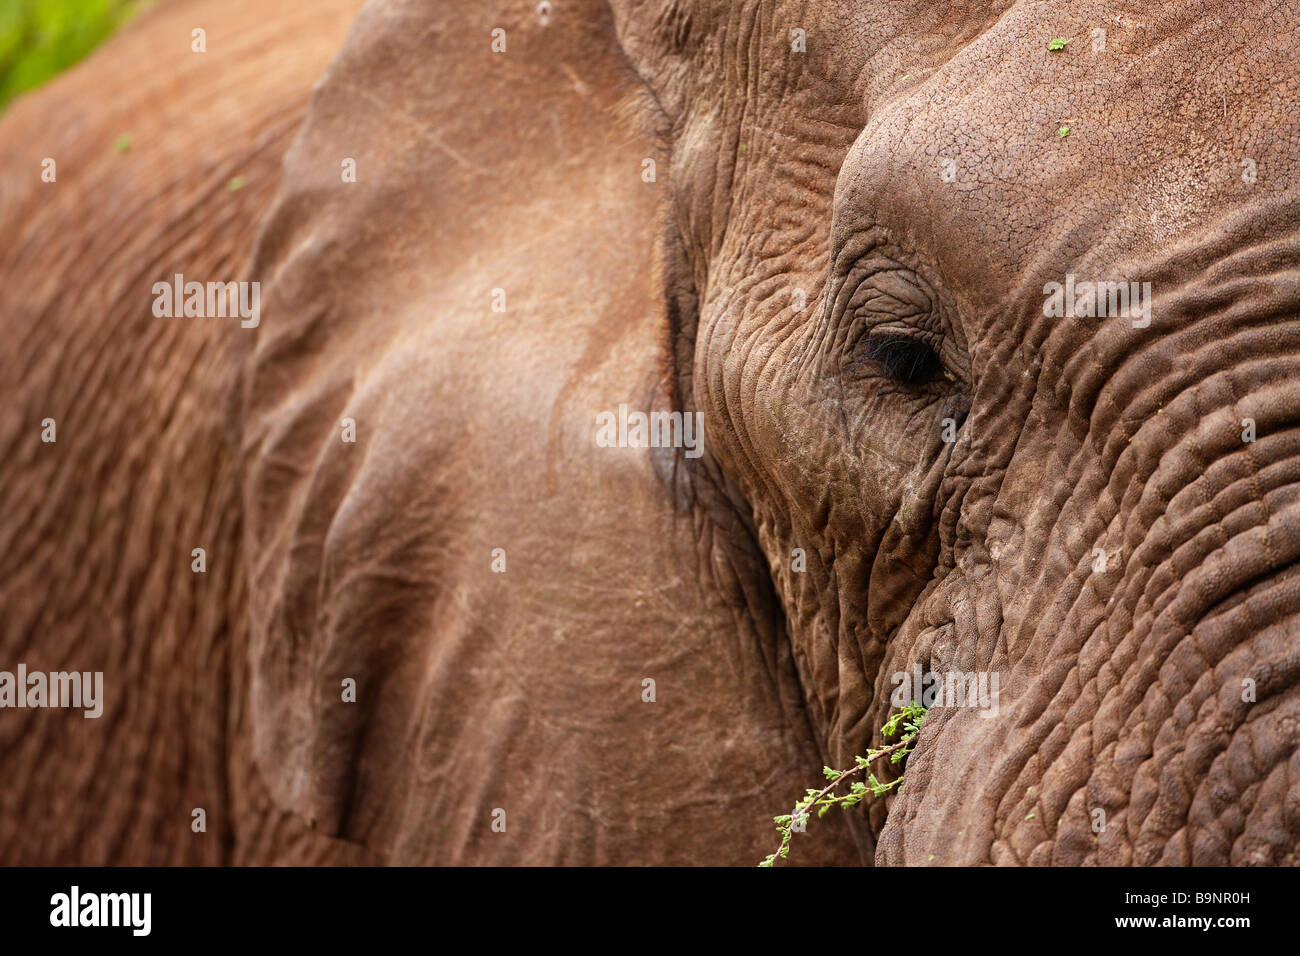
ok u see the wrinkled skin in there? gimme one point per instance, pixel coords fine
(1121, 690)
(98, 527)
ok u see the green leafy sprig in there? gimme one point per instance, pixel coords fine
(910, 717)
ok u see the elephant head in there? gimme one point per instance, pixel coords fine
(994, 341)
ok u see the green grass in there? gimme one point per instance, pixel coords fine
(39, 38)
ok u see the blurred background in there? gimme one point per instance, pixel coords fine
(38, 38)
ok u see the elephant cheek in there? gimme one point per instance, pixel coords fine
(1144, 630)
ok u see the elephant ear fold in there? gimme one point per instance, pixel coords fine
(436, 213)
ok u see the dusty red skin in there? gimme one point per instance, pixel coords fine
(905, 173)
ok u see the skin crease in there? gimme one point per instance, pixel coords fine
(817, 172)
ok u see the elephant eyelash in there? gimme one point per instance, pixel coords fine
(906, 359)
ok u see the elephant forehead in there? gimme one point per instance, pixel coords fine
(763, 100)
(1014, 160)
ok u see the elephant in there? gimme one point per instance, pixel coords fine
(987, 312)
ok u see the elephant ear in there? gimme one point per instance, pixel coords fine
(475, 635)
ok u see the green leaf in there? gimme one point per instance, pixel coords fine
(39, 38)
(1058, 44)
(911, 718)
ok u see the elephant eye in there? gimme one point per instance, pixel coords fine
(905, 359)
